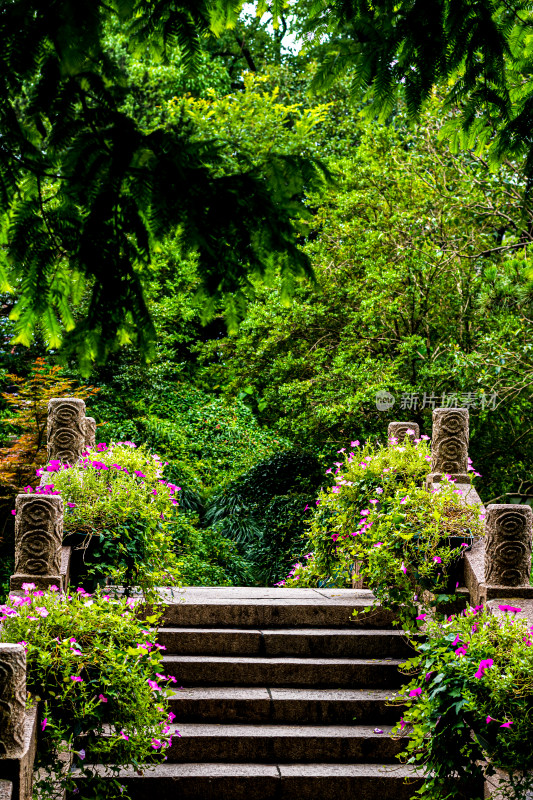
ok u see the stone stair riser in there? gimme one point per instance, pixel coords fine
(246, 615)
(255, 672)
(329, 642)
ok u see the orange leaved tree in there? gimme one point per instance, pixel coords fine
(29, 404)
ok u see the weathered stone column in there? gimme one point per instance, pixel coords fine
(12, 699)
(90, 432)
(66, 429)
(38, 540)
(508, 545)
(398, 430)
(449, 445)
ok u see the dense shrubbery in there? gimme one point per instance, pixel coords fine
(96, 669)
(469, 708)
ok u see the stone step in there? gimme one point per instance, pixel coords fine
(254, 607)
(268, 781)
(228, 704)
(355, 673)
(288, 743)
(339, 642)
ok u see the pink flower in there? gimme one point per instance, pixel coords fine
(437, 559)
(422, 616)
(510, 609)
(14, 512)
(403, 500)
(153, 685)
(124, 736)
(71, 505)
(334, 536)
(484, 664)
(102, 698)
(41, 611)
(373, 501)
(506, 725)
(489, 719)
(378, 544)
(81, 754)
(171, 717)
(44, 723)
(76, 679)
(156, 744)
(336, 489)
(415, 692)
(402, 724)
(365, 512)
(403, 568)
(354, 444)
(27, 587)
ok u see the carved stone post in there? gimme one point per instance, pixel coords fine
(38, 540)
(90, 433)
(66, 429)
(449, 445)
(508, 545)
(398, 430)
(12, 699)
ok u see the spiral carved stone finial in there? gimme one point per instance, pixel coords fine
(508, 545)
(38, 540)
(90, 432)
(449, 445)
(398, 430)
(12, 698)
(66, 429)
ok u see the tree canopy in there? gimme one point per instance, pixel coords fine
(88, 190)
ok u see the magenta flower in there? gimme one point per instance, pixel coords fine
(71, 505)
(422, 616)
(437, 559)
(403, 500)
(489, 719)
(156, 744)
(139, 473)
(415, 692)
(484, 664)
(124, 736)
(153, 685)
(76, 679)
(81, 754)
(14, 512)
(506, 725)
(403, 568)
(102, 698)
(334, 536)
(44, 723)
(510, 609)
(27, 587)
(402, 724)
(354, 444)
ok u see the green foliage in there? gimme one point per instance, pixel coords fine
(87, 193)
(264, 510)
(469, 706)
(421, 263)
(120, 514)
(367, 476)
(111, 714)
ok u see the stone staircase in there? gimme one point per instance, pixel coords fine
(284, 696)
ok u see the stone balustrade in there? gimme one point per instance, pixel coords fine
(38, 540)
(17, 725)
(66, 429)
(449, 445)
(399, 430)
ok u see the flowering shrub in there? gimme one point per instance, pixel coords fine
(96, 669)
(470, 707)
(121, 511)
(409, 544)
(364, 476)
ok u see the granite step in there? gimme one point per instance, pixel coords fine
(353, 673)
(317, 642)
(253, 607)
(249, 781)
(227, 704)
(290, 743)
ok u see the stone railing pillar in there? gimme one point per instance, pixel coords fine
(90, 432)
(398, 430)
(66, 429)
(38, 540)
(508, 545)
(12, 699)
(449, 445)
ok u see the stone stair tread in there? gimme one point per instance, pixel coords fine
(306, 731)
(341, 662)
(308, 631)
(253, 693)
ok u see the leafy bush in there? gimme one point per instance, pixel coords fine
(469, 708)
(264, 511)
(96, 669)
(409, 546)
(365, 475)
(120, 512)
